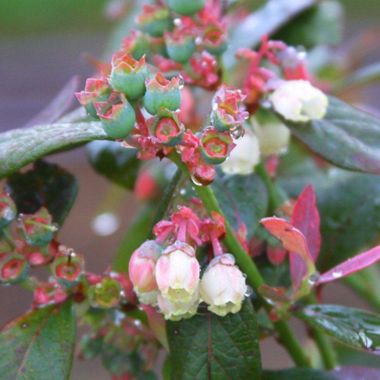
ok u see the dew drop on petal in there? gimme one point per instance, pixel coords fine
(337, 274)
(237, 132)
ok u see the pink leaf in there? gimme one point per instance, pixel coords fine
(305, 218)
(291, 238)
(355, 264)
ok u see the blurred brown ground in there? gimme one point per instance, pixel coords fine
(33, 68)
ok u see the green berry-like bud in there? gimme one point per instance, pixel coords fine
(168, 129)
(136, 44)
(105, 294)
(215, 146)
(96, 90)
(8, 210)
(186, 7)
(67, 268)
(128, 75)
(215, 39)
(118, 119)
(162, 94)
(155, 20)
(179, 47)
(37, 229)
(13, 269)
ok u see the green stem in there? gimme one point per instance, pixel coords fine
(254, 277)
(276, 197)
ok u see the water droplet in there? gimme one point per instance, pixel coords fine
(177, 21)
(337, 274)
(198, 40)
(195, 181)
(248, 292)
(312, 280)
(24, 325)
(365, 340)
(181, 82)
(237, 132)
(183, 192)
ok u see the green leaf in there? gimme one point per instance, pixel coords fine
(349, 219)
(264, 21)
(20, 147)
(357, 328)
(210, 347)
(45, 185)
(320, 25)
(137, 233)
(297, 374)
(39, 345)
(366, 75)
(347, 137)
(242, 199)
(118, 164)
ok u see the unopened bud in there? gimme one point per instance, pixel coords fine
(162, 93)
(13, 269)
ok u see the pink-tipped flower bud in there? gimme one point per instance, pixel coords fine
(223, 286)
(128, 75)
(37, 229)
(162, 93)
(67, 268)
(167, 128)
(215, 145)
(228, 109)
(136, 44)
(142, 271)
(96, 90)
(177, 273)
(13, 268)
(105, 294)
(8, 210)
(176, 311)
(155, 20)
(180, 44)
(118, 120)
(215, 39)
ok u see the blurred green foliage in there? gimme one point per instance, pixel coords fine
(42, 16)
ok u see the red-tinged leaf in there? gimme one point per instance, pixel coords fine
(355, 264)
(276, 255)
(292, 239)
(58, 106)
(306, 218)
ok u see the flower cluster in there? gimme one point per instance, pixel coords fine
(155, 125)
(165, 272)
(29, 241)
(290, 92)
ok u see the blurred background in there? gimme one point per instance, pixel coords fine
(43, 43)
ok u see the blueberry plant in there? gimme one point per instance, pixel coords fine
(260, 187)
